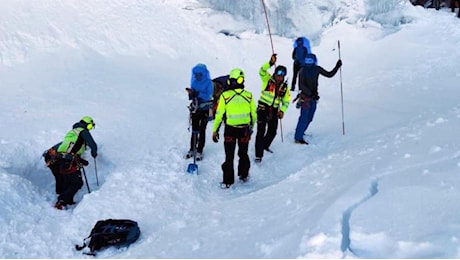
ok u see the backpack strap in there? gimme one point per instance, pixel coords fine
(79, 248)
(280, 92)
(239, 94)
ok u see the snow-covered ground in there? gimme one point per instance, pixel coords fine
(388, 188)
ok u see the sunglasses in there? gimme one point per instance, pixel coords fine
(281, 73)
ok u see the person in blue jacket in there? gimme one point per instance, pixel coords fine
(301, 49)
(200, 93)
(308, 96)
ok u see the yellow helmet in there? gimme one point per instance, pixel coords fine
(237, 75)
(89, 122)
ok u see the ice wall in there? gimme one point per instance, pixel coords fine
(291, 18)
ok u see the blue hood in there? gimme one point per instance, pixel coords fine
(305, 43)
(202, 87)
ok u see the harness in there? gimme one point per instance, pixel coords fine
(230, 99)
(237, 94)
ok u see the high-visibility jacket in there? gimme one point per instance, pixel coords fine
(272, 94)
(76, 140)
(70, 145)
(236, 108)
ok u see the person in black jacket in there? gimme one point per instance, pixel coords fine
(308, 97)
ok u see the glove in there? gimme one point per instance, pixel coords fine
(215, 137)
(273, 59)
(191, 93)
(94, 154)
(339, 64)
(84, 162)
(280, 114)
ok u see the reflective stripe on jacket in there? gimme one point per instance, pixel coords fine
(268, 95)
(236, 107)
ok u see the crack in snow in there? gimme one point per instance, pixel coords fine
(347, 215)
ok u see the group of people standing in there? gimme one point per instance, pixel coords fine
(225, 99)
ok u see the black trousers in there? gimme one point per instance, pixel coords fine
(267, 124)
(232, 136)
(296, 68)
(71, 183)
(71, 180)
(199, 123)
(55, 168)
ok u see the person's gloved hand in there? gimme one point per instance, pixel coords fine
(339, 64)
(215, 137)
(280, 114)
(273, 59)
(94, 154)
(84, 162)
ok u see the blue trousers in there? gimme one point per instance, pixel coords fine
(307, 111)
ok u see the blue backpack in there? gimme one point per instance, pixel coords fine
(111, 232)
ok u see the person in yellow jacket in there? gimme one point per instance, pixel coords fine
(69, 161)
(237, 110)
(273, 103)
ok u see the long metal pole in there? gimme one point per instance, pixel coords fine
(268, 26)
(341, 92)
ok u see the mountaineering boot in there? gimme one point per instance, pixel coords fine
(301, 142)
(225, 186)
(60, 205)
(268, 150)
(199, 156)
(258, 159)
(189, 154)
(244, 179)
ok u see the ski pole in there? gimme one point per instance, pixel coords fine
(341, 91)
(95, 169)
(281, 128)
(86, 179)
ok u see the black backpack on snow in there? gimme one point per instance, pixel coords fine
(111, 232)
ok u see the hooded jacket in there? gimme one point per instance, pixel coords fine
(202, 88)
